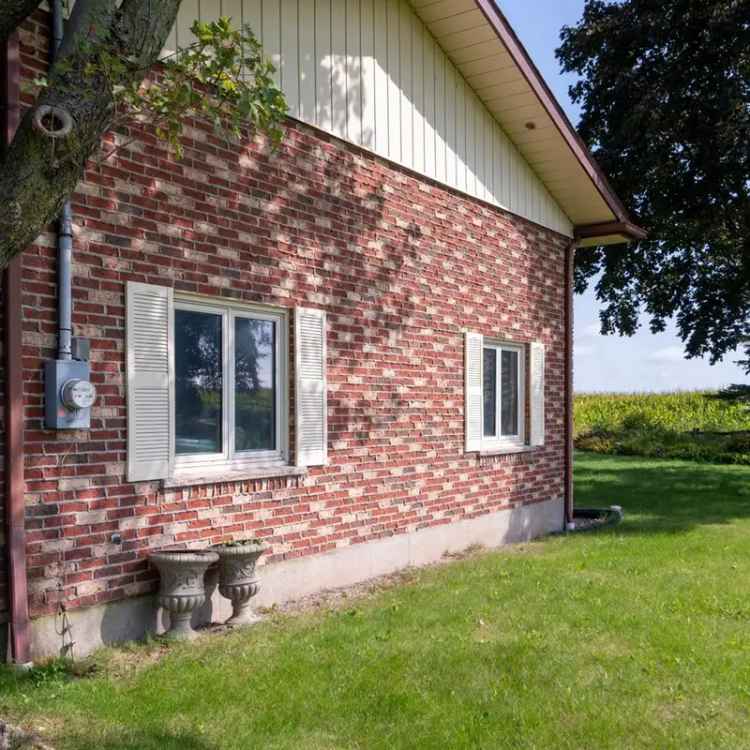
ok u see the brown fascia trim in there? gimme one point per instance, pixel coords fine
(15, 511)
(610, 228)
(550, 104)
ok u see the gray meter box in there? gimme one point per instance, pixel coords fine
(65, 387)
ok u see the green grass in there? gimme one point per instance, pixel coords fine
(699, 426)
(637, 637)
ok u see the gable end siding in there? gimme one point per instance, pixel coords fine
(371, 73)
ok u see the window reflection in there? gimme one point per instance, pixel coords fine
(254, 384)
(490, 392)
(198, 382)
(509, 393)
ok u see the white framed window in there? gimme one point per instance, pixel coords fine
(230, 386)
(503, 395)
(208, 386)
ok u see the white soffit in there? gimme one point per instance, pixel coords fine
(472, 42)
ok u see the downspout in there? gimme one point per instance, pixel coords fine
(64, 230)
(570, 254)
(18, 627)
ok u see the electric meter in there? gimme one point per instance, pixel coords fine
(78, 394)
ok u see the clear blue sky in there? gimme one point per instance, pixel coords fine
(608, 363)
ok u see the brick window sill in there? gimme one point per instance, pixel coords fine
(194, 479)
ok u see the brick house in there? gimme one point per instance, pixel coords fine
(357, 348)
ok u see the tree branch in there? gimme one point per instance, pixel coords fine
(13, 13)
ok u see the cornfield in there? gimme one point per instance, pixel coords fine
(681, 411)
(694, 425)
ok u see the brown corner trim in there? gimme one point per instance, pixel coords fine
(548, 101)
(626, 228)
(15, 511)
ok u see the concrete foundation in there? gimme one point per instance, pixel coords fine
(132, 619)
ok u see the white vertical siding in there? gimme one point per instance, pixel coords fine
(407, 84)
(382, 79)
(369, 71)
(323, 57)
(271, 32)
(353, 83)
(417, 61)
(393, 68)
(368, 63)
(452, 117)
(289, 62)
(429, 75)
(188, 13)
(233, 9)
(308, 63)
(339, 104)
(460, 149)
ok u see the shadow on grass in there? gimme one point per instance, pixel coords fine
(663, 496)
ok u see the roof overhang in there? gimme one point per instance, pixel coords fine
(610, 233)
(480, 42)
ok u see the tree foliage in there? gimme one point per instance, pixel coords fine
(104, 78)
(665, 94)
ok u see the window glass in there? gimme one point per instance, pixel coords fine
(254, 384)
(509, 393)
(490, 392)
(198, 382)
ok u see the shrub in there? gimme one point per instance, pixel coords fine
(739, 443)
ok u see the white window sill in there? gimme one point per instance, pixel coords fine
(508, 450)
(218, 476)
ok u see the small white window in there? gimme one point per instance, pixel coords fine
(503, 395)
(230, 386)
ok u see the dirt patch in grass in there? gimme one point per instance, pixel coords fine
(15, 738)
(126, 661)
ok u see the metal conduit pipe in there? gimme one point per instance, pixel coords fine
(68, 392)
(64, 231)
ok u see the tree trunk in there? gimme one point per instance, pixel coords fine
(39, 172)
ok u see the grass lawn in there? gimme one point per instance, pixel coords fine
(636, 637)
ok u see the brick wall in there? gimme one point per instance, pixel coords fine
(402, 267)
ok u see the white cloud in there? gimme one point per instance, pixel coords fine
(592, 329)
(667, 354)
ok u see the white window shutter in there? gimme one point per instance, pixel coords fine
(310, 397)
(150, 381)
(537, 393)
(474, 343)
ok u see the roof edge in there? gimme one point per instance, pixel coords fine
(607, 232)
(547, 99)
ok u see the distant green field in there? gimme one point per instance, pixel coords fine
(693, 425)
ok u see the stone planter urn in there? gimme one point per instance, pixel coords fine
(237, 578)
(182, 586)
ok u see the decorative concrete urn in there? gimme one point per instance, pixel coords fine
(237, 579)
(182, 586)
